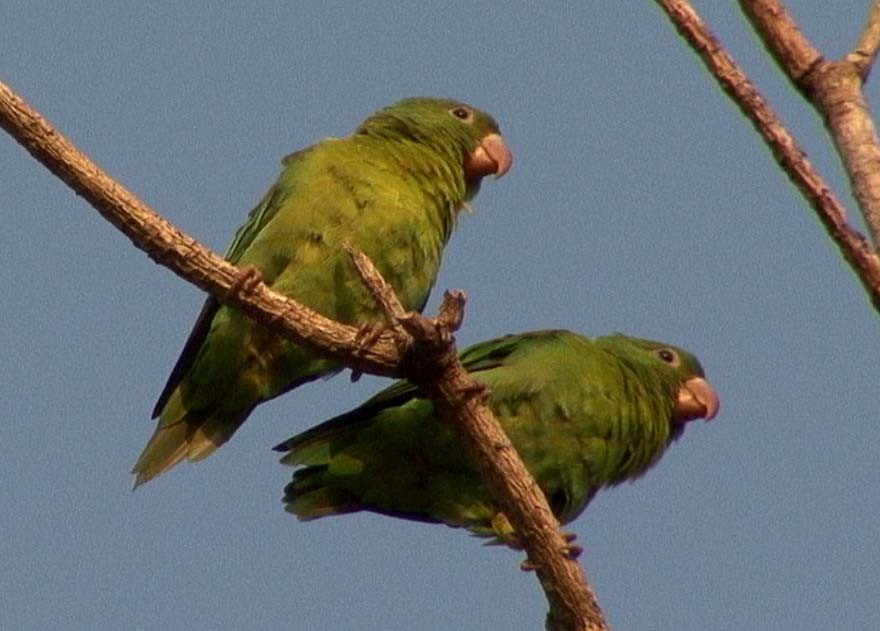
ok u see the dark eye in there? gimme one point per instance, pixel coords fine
(461, 112)
(669, 356)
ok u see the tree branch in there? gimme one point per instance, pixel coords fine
(437, 370)
(834, 88)
(869, 43)
(782, 38)
(856, 250)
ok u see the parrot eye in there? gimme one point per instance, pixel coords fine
(462, 113)
(668, 356)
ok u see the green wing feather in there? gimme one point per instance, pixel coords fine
(476, 359)
(263, 213)
(257, 220)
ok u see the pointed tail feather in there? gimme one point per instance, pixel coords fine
(167, 447)
(192, 439)
(308, 498)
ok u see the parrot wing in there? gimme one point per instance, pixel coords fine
(190, 350)
(263, 213)
(244, 236)
(476, 359)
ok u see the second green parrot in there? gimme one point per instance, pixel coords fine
(582, 413)
(393, 190)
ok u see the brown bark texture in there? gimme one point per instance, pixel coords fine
(834, 88)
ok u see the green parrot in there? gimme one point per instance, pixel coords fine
(582, 413)
(393, 189)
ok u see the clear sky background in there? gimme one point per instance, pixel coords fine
(640, 201)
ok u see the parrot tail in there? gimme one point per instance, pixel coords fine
(188, 438)
(309, 498)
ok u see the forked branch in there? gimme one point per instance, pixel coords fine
(834, 89)
(802, 61)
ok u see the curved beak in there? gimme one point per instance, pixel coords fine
(491, 157)
(695, 399)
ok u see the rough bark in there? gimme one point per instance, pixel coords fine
(834, 88)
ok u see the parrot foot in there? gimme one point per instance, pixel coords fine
(479, 391)
(570, 551)
(528, 566)
(246, 280)
(366, 336)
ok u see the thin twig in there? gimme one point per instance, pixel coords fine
(853, 246)
(865, 52)
(452, 309)
(381, 291)
(572, 605)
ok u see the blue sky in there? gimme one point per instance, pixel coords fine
(640, 201)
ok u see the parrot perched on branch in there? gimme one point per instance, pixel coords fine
(582, 413)
(393, 190)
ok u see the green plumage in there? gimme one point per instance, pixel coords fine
(392, 190)
(582, 413)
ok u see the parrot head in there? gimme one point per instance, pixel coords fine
(692, 395)
(459, 130)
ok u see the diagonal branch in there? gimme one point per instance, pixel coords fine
(856, 250)
(572, 604)
(834, 88)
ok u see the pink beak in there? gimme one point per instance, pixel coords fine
(491, 157)
(695, 399)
